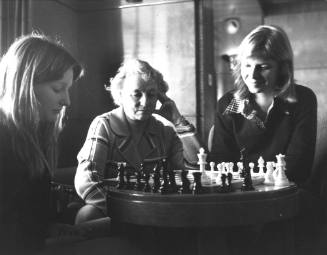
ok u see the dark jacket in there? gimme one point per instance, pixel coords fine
(24, 202)
(290, 129)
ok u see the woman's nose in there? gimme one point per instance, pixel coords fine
(65, 101)
(255, 72)
(143, 99)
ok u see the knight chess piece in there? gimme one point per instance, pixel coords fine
(223, 188)
(185, 188)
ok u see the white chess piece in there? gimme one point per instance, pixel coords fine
(261, 165)
(269, 178)
(212, 166)
(279, 174)
(240, 168)
(251, 165)
(202, 156)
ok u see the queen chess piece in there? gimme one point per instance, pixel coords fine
(280, 177)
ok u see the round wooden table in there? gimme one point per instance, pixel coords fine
(264, 204)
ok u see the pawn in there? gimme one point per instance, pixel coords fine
(197, 185)
(164, 188)
(212, 166)
(185, 188)
(138, 184)
(223, 188)
(147, 187)
(121, 177)
(156, 179)
(172, 181)
(229, 181)
(128, 184)
(240, 169)
(251, 165)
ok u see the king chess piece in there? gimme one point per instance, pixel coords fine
(202, 156)
(279, 174)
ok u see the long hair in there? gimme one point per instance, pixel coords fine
(31, 60)
(268, 42)
(139, 68)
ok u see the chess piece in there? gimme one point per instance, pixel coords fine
(121, 177)
(220, 171)
(229, 182)
(172, 181)
(240, 169)
(164, 188)
(261, 165)
(251, 165)
(202, 156)
(138, 184)
(280, 177)
(185, 188)
(197, 185)
(147, 187)
(247, 180)
(212, 166)
(223, 188)
(128, 184)
(156, 178)
(269, 178)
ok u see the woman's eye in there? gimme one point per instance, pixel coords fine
(137, 94)
(57, 90)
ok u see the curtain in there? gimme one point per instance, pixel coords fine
(14, 21)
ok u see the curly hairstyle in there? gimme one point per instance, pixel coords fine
(133, 67)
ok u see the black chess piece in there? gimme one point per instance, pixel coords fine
(197, 185)
(164, 188)
(223, 188)
(138, 184)
(185, 188)
(156, 178)
(247, 181)
(172, 181)
(147, 186)
(229, 182)
(128, 184)
(121, 177)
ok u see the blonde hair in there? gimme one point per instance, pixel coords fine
(32, 59)
(135, 67)
(269, 42)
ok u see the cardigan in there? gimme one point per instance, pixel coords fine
(109, 141)
(290, 128)
(24, 201)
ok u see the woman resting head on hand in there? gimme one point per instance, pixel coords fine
(35, 77)
(131, 133)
